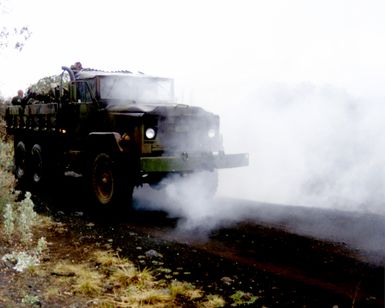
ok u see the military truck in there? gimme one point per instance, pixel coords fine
(118, 130)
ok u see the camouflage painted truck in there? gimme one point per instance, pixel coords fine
(116, 129)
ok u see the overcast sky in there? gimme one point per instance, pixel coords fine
(299, 84)
(204, 43)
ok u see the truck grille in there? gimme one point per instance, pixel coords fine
(188, 134)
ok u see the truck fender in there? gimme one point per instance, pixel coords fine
(109, 142)
(97, 141)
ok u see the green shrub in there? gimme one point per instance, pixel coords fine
(6, 155)
(26, 218)
(9, 221)
(7, 180)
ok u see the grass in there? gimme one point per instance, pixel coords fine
(126, 276)
(53, 292)
(183, 290)
(112, 281)
(88, 282)
(214, 301)
(241, 298)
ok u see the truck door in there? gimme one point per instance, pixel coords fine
(85, 90)
(77, 108)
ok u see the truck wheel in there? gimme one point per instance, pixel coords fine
(103, 179)
(20, 161)
(36, 164)
(109, 186)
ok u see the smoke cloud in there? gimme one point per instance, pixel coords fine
(188, 198)
(316, 167)
(310, 146)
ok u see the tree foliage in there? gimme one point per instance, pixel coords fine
(12, 37)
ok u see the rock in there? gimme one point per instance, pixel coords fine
(63, 273)
(153, 254)
(227, 280)
(108, 286)
(6, 264)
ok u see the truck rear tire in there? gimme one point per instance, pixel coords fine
(37, 165)
(20, 169)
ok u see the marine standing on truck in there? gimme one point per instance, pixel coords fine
(18, 100)
(76, 68)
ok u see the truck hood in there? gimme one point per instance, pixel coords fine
(158, 109)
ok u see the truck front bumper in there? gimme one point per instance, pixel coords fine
(187, 162)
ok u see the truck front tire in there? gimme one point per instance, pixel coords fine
(103, 179)
(109, 185)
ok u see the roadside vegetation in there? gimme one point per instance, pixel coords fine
(41, 276)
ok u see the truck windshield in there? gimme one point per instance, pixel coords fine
(140, 89)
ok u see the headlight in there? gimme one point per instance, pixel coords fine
(211, 133)
(150, 133)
